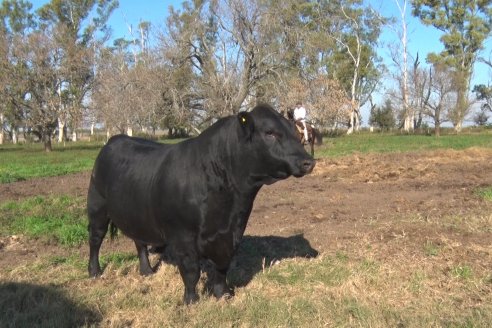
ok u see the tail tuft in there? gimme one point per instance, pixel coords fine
(113, 231)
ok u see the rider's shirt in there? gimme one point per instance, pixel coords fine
(299, 113)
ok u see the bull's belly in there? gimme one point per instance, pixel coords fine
(139, 228)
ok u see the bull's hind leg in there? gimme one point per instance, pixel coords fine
(143, 258)
(98, 227)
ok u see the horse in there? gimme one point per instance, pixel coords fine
(314, 136)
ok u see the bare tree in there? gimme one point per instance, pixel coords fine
(326, 101)
(356, 32)
(128, 94)
(230, 46)
(399, 56)
(442, 95)
(419, 90)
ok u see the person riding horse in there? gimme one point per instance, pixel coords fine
(300, 116)
(308, 134)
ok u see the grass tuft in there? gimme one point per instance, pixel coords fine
(485, 193)
(463, 272)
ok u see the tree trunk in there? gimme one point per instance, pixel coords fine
(14, 136)
(74, 136)
(351, 123)
(408, 123)
(357, 121)
(437, 130)
(354, 123)
(2, 132)
(461, 102)
(47, 142)
(458, 126)
(61, 129)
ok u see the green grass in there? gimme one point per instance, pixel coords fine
(21, 162)
(485, 193)
(60, 219)
(387, 142)
(119, 260)
(462, 272)
(26, 161)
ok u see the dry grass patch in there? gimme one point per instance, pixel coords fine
(360, 287)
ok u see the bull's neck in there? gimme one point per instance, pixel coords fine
(228, 156)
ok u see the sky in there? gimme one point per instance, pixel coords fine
(421, 39)
(424, 39)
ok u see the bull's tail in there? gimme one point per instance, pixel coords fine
(113, 230)
(318, 137)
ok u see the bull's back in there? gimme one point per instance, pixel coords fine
(123, 160)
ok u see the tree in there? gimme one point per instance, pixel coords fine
(400, 57)
(383, 117)
(136, 77)
(229, 46)
(41, 101)
(326, 101)
(484, 94)
(16, 21)
(442, 94)
(75, 32)
(465, 24)
(355, 63)
(481, 118)
(419, 91)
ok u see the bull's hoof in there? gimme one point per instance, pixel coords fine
(222, 291)
(146, 271)
(95, 275)
(94, 272)
(227, 296)
(190, 298)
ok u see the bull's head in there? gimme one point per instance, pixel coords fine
(272, 149)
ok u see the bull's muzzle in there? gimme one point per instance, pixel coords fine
(305, 166)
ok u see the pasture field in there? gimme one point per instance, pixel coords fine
(388, 231)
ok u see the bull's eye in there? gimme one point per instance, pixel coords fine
(271, 134)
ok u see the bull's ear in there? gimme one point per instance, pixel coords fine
(246, 124)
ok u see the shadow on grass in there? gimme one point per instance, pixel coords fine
(258, 252)
(254, 254)
(28, 305)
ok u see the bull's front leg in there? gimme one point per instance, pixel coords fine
(218, 284)
(189, 268)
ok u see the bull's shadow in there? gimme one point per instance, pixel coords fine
(28, 305)
(254, 254)
(258, 252)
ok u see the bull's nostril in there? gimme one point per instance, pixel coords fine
(308, 165)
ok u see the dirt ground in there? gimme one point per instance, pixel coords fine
(359, 200)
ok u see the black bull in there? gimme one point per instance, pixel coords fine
(194, 197)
